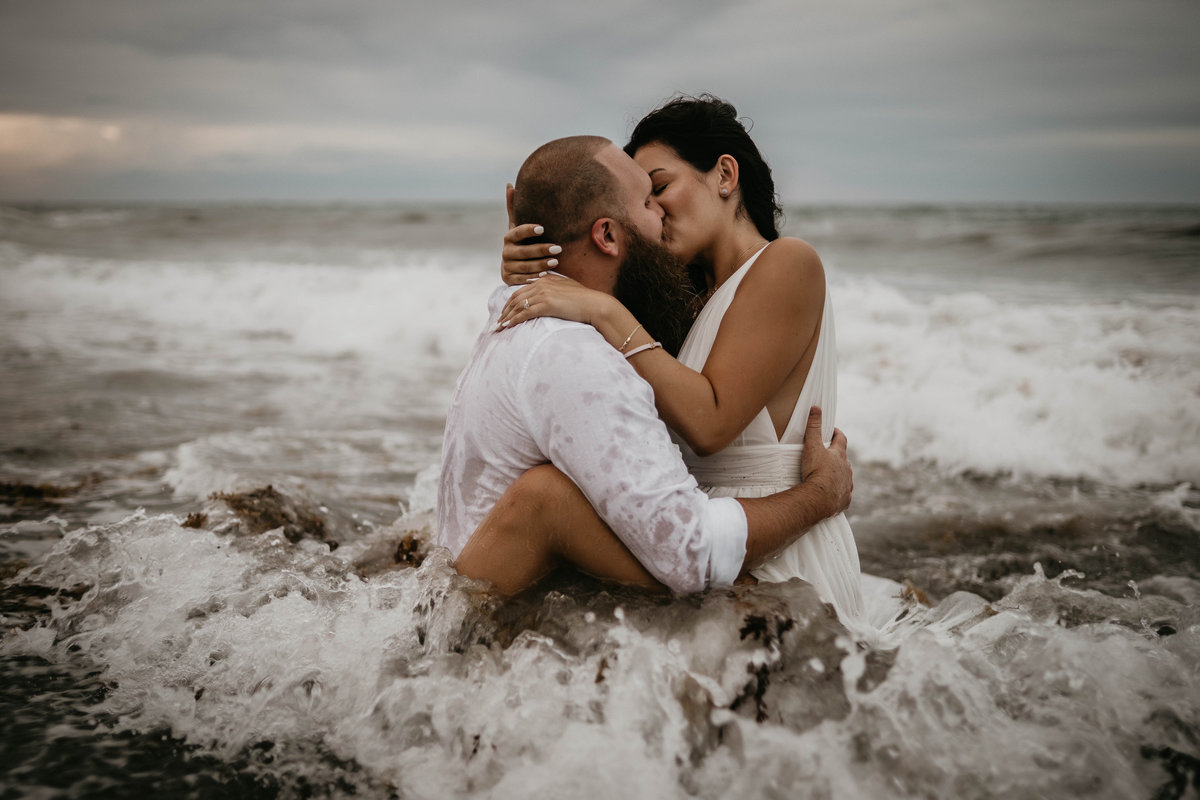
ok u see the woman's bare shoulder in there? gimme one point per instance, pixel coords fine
(788, 249)
(788, 265)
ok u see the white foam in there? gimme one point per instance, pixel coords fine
(87, 218)
(1100, 391)
(230, 643)
(419, 307)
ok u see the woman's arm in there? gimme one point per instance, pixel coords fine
(765, 333)
(768, 329)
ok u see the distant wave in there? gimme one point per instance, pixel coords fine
(1100, 391)
(1086, 370)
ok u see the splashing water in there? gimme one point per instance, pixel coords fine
(307, 669)
(1018, 386)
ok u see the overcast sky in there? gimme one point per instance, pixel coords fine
(851, 101)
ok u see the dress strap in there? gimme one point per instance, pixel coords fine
(700, 338)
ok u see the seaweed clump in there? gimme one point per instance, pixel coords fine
(265, 509)
(411, 550)
(26, 495)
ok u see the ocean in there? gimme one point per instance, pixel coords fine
(219, 435)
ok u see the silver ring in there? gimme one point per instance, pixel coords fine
(526, 303)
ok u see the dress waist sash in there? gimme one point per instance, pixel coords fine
(751, 465)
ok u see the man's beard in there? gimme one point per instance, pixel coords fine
(654, 286)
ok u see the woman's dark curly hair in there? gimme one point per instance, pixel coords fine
(702, 129)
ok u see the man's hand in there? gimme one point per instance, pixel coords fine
(774, 522)
(827, 467)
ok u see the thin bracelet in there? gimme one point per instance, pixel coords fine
(644, 347)
(628, 338)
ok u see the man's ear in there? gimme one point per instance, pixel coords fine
(604, 236)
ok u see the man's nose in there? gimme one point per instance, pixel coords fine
(662, 216)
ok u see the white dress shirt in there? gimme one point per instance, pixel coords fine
(554, 391)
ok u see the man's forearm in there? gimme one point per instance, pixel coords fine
(775, 522)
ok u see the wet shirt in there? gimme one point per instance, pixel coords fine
(554, 391)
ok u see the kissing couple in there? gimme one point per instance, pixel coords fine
(653, 398)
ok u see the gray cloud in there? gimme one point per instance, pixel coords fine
(870, 100)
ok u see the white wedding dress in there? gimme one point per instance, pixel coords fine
(758, 463)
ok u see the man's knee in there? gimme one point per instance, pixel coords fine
(541, 489)
(524, 516)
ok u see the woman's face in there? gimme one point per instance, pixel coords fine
(690, 200)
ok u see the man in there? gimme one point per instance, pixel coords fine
(552, 391)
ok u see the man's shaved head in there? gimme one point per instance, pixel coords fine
(562, 187)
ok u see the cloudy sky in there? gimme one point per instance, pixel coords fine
(851, 101)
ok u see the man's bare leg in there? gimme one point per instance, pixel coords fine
(541, 521)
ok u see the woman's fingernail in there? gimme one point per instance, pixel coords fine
(533, 279)
(552, 262)
(538, 230)
(555, 249)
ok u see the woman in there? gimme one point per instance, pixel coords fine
(762, 347)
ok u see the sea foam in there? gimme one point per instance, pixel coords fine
(967, 382)
(421, 306)
(1105, 392)
(286, 660)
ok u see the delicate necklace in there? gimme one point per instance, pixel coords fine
(759, 243)
(716, 281)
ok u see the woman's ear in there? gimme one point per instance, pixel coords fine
(727, 174)
(604, 236)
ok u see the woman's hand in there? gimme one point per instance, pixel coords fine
(522, 262)
(557, 296)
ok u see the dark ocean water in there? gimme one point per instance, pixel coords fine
(1021, 390)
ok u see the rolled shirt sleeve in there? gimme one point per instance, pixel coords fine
(594, 418)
